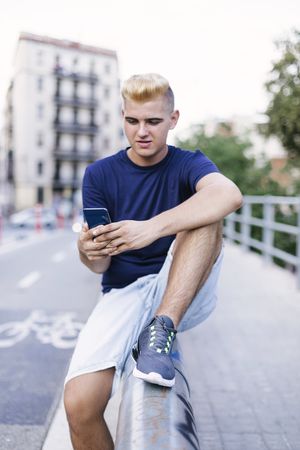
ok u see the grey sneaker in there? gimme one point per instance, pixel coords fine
(152, 352)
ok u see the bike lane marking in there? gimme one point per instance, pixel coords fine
(29, 280)
(34, 345)
(58, 257)
(60, 330)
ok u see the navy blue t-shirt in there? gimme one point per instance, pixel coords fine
(132, 192)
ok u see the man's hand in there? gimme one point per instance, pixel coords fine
(125, 235)
(88, 246)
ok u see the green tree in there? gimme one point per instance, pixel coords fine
(283, 86)
(230, 155)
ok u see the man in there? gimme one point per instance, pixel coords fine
(156, 194)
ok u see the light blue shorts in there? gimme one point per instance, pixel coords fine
(118, 318)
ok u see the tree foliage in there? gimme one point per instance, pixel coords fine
(229, 153)
(283, 86)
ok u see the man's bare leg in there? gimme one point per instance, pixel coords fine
(86, 398)
(193, 257)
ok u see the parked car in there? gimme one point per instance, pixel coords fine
(32, 217)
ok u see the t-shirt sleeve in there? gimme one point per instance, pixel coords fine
(196, 166)
(93, 195)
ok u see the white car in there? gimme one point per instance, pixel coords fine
(32, 217)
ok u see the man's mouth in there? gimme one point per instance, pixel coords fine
(144, 143)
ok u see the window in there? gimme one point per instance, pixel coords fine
(75, 66)
(92, 66)
(40, 195)
(58, 63)
(106, 92)
(40, 140)
(40, 57)
(40, 83)
(107, 68)
(40, 168)
(40, 111)
(106, 118)
(106, 143)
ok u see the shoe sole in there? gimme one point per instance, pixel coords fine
(153, 377)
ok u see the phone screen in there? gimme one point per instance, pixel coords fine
(96, 216)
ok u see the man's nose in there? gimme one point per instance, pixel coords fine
(143, 130)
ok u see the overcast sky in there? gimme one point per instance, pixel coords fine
(216, 54)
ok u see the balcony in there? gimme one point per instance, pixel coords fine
(76, 102)
(61, 183)
(75, 155)
(62, 73)
(75, 128)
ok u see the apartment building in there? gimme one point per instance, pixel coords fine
(6, 145)
(63, 112)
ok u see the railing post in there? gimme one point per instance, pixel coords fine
(268, 233)
(245, 232)
(298, 245)
(229, 229)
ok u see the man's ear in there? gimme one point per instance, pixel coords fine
(174, 119)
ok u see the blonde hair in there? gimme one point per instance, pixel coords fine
(144, 87)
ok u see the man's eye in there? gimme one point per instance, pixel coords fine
(154, 122)
(131, 121)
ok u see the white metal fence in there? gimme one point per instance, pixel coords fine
(268, 224)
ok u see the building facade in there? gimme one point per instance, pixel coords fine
(63, 112)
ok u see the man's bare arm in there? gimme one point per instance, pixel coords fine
(216, 197)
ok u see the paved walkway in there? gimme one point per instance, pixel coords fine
(243, 363)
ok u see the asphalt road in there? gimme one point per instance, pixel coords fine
(46, 295)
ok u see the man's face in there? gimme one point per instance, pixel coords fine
(146, 126)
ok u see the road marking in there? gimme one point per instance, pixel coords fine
(29, 280)
(59, 330)
(58, 257)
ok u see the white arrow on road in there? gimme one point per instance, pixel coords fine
(29, 280)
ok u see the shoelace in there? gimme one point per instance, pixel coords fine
(161, 337)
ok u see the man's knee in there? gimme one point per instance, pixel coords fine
(212, 233)
(214, 229)
(86, 397)
(78, 410)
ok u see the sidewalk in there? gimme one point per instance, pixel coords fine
(243, 363)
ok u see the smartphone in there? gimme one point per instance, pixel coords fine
(96, 216)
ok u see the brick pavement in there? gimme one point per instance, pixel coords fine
(245, 369)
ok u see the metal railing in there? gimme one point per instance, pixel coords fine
(88, 102)
(153, 417)
(74, 127)
(75, 155)
(60, 72)
(268, 225)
